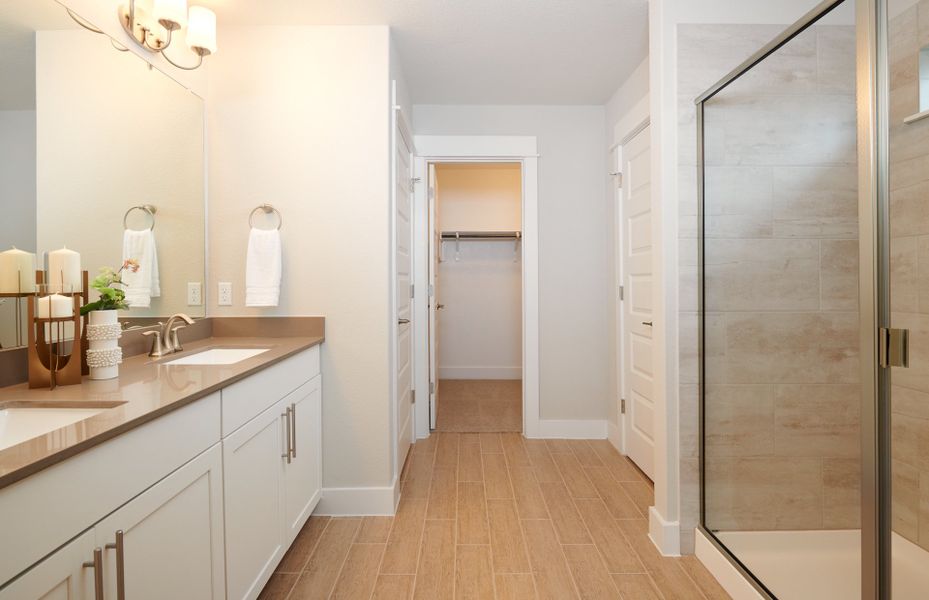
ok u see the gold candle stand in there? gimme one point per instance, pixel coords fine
(49, 365)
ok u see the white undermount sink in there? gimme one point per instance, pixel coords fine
(218, 356)
(20, 424)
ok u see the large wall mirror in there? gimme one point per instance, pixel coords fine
(88, 132)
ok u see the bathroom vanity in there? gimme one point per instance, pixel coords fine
(188, 480)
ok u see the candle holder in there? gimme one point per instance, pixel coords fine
(54, 357)
(18, 297)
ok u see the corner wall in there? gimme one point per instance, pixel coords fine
(299, 117)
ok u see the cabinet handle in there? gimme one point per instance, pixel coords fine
(97, 565)
(120, 565)
(293, 428)
(286, 415)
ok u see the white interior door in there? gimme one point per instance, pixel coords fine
(404, 264)
(638, 302)
(435, 241)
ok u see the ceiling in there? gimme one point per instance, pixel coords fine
(484, 51)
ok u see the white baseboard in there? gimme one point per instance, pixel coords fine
(725, 573)
(572, 429)
(666, 535)
(360, 501)
(615, 435)
(480, 373)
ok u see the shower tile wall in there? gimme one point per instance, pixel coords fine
(782, 261)
(909, 232)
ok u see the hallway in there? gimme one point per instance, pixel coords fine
(475, 405)
(497, 516)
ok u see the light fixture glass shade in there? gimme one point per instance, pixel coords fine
(171, 14)
(201, 30)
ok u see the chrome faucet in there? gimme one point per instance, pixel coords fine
(166, 340)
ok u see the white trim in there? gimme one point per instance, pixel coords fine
(666, 535)
(360, 501)
(522, 149)
(480, 372)
(571, 429)
(614, 433)
(722, 570)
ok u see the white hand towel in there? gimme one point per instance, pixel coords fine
(144, 284)
(263, 268)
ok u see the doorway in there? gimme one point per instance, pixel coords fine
(434, 152)
(477, 280)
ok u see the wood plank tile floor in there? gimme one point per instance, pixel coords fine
(497, 516)
(466, 405)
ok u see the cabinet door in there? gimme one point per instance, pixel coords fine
(303, 474)
(252, 475)
(171, 543)
(61, 576)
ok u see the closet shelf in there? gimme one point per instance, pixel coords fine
(481, 235)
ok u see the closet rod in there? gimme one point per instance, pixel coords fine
(481, 235)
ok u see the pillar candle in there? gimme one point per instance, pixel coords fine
(17, 271)
(64, 271)
(55, 306)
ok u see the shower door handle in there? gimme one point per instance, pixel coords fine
(894, 347)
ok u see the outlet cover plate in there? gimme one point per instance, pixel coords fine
(194, 293)
(224, 297)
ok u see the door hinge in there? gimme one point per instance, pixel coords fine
(622, 406)
(622, 293)
(894, 347)
(431, 290)
(412, 290)
(412, 396)
(431, 387)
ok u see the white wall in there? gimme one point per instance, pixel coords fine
(17, 178)
(299, 117)
(480, 328)
(574, 243)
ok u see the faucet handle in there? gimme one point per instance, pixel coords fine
(156, 351)
(175, 340)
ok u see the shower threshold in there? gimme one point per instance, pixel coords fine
(812, 565)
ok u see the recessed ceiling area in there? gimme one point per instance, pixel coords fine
(484, 51)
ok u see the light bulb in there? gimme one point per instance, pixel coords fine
(201, 30)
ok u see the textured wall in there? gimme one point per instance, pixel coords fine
(909, 261)
(781, 280)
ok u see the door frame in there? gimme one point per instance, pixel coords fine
(470, 148)
(400, 127)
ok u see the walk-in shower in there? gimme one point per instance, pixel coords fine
(813, 181)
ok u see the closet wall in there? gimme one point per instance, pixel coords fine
(480, 328)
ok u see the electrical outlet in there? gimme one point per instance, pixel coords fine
(194, 293)
(225, 293)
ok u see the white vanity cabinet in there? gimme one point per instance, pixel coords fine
(200, 503)
(272, 483)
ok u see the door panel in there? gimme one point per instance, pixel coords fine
(638, 345)
(404, 265)
(435, 250)
(303, 475)
(253, 473)
(172, 536)
(61, 576)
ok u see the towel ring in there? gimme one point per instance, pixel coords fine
(267, 209)
(147, 209)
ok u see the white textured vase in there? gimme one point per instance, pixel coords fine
(103, 351)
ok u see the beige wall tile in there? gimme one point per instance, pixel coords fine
(739, 420)
(817, 420)
(839, 274)
(841, 493)
(906, 501)
(904, 291)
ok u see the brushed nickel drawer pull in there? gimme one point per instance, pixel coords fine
(97, 565)
(120, 564)
(286, 415)
(293, 428)
(647, 323)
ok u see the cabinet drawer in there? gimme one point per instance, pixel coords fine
(246, 399)
(42, 512)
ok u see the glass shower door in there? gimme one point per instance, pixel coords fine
(908, 230)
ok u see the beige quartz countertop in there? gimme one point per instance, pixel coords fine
(145, 389)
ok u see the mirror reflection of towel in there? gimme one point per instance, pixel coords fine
(263, 268)
(144, 284)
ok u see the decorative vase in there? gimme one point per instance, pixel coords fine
(103, 351)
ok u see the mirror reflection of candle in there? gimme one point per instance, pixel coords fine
(17, 271)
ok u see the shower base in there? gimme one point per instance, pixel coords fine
(815, 565)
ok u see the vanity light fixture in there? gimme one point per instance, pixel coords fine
(153, 26)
